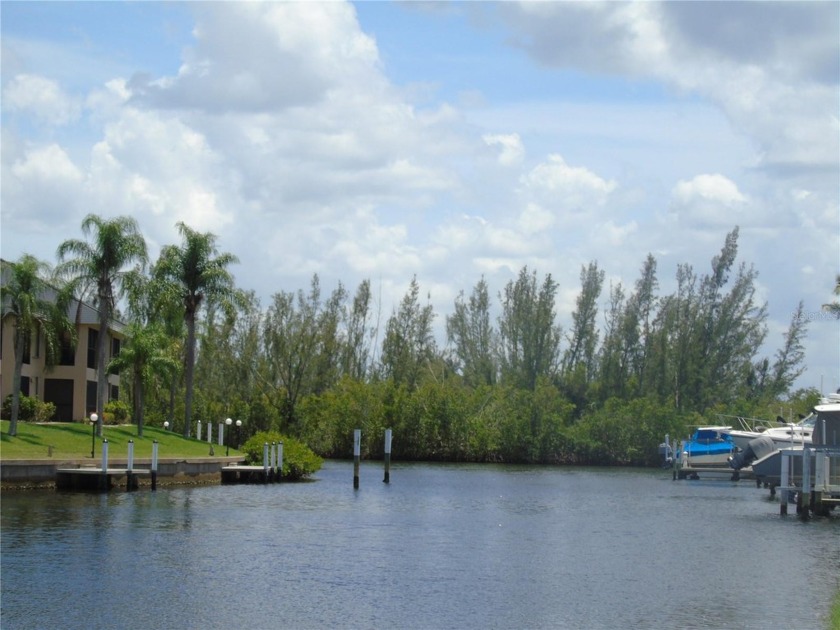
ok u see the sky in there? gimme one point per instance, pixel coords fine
(443, 141)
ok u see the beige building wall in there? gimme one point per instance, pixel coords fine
(82, 377)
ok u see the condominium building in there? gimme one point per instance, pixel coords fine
(71, 384)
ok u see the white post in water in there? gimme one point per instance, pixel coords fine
(272, 457)
(266, 460)
(784, 481)
(279, 461)
(155, 464)
(198, 430)
(357, 453)
(104, 455)
(129, 477)
(805, 494)
(387, 456)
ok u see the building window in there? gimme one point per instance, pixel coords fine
(27, 347)
(38, 342)
(115, 348)
(90, 396)
(68, 352)
(24, 385)
(115, 392)
(93, 337)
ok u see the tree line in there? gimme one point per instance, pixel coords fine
(508, 384)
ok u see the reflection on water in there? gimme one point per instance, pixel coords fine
(442, 546)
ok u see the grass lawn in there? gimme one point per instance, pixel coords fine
(834, 618)
(73, 441)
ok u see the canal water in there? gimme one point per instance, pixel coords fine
(441, 546)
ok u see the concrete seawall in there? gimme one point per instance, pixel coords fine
(41, 473)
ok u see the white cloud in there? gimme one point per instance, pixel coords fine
(712, 201)
(772, 67)
(263, 57)
(287, 135)
(42, 98)
(49, 173)
(512, 151)
(566, 188)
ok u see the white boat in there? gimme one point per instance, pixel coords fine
(763, 454)
(789, 434)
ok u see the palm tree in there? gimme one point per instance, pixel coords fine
(96, 266)
(196, 272)
(146, 356)
(834, 307)
(32, 299)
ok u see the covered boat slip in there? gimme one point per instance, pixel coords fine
(811, 477)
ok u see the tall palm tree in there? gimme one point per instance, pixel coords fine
(145, 355)
(197, 273)
(31, 297)
(96, 266)
(834, 307)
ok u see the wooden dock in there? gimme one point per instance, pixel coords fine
(694, 472)
(249, 474)
(97, 479)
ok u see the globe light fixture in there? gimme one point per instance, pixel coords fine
(228, 422)
(94, 418)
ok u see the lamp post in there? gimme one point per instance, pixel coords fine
(238, 433)
(228, 422)
(166, 425)
(93, 420)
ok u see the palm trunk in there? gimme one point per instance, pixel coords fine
(102, 375)
(190, 368)
(138, 402)
(19, 341)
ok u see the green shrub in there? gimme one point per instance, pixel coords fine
(44, 411)
(29, 409)
(118, 410)
(298, 459)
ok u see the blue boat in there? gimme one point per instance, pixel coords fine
(708, 447)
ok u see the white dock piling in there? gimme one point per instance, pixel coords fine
(266, 460)
(279, 461)
(387, 456)
(104, 455)
(155, 463)
(357, 452)
(784, 482)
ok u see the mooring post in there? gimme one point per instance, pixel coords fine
(805, 494)
(103, 479)
(820, 480)
(674, 453)
(279, 460)
(387, 478)
(784, 481)
(266, 462)
(357, 453)
(129, 467)
(155, 464)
